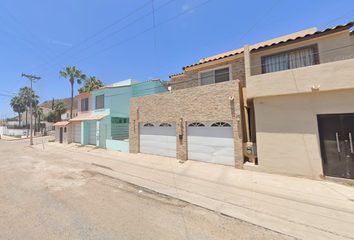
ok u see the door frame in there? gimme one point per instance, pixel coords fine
(340, 144)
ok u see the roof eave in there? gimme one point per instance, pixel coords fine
(214, 61)
(307, 37)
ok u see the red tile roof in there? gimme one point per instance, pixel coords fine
(88, 118)
(315, 34)
(214, 59)
(176, 74)
(61, 124)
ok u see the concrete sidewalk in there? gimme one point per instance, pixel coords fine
(11, 138)
(302, 208)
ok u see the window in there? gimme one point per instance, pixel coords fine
(295, 58)
(84, 104)
(65, 129)
(100, 101)
(148, 125)
(215, 76)
(220, 124)
(165, 125)
(118, 120)
(196, 124)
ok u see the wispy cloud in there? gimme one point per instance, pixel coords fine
(187, 7)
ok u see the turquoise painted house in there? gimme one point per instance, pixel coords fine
(105, 119)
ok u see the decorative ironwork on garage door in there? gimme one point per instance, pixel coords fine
(196, 124)
(220, 124)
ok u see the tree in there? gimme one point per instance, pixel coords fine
(73, 74)
(25, 95)
(51, 117)
(60, 108)
(37, 112)
(40, 114)
(34, 113)
(18, 107)
(91, 84)
(53, 104)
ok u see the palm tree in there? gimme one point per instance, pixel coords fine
(60, 108)
(35, 114)
(39, 113)
(73, 74)
(18, 107)
(91, 84)
(25, 94)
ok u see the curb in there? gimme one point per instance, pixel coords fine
(273, 223)
(18, 139)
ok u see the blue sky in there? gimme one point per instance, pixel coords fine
(115, 40)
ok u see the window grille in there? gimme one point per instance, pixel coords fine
(220, 124)
(196, 124)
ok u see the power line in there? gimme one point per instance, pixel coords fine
(126, 26)
(256, 23)
(142, 91)
(12, 88)
(121, 19)
(153, 20)
(214, 41)
(128, 39)
(338, 18)
(26, 30)
(195, 79)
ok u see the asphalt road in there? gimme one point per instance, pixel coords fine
(49, 196)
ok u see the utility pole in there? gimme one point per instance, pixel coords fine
(31, 77)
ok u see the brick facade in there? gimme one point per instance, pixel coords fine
(190, 78)
(203, 103)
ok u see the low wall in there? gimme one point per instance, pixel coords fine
(117, 145)
(16, 132)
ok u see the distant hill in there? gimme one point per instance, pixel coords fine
(48, 103)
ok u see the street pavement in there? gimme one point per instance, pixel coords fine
(46, 194)
(302, 208)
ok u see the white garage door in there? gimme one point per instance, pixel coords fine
(92, 139)
(211, 142)
(158, 139)
(77, 132)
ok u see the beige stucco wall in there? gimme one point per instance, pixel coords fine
(333, 47)
(287, 131)
(57, 134)
(67, 136)
(329, 76)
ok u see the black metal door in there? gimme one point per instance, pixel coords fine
(336, 140)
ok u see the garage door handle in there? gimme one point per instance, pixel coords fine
(351, 142)
(337, 138)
